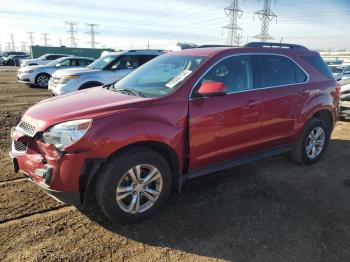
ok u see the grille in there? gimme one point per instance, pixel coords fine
(20, 146)
(27, 128)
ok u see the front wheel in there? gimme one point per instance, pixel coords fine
(133, 185)
(42, 80)
(312, 143)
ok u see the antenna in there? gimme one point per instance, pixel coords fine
(92, 31)
(266, 16)
(44, 37)
(234, 13)
(72, 33)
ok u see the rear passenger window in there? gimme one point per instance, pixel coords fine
(317, 62)
(235, 72)
(278, 71)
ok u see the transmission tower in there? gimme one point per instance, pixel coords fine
(44, 37)
(72, 33)
(266, 16)
(31, 38)
(12, 42)
(8, 46)
(92, 31)
(234, 32)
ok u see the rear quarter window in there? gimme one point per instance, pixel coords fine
(317, 62)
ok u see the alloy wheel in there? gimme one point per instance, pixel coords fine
(139, 188)
(315, 142)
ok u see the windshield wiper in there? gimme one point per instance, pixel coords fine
(128, 91)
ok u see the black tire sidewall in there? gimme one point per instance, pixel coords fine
(36, 80)
(114, 171)
(312, 125)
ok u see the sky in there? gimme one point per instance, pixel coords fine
(318, 24)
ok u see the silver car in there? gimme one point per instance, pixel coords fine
(104, 70)
(40, 75)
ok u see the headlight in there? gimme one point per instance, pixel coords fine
(65, 79)
(65, 134)
(28, 72)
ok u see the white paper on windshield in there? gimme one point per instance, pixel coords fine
(179, 78)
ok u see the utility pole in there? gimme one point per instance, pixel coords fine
(8, 46)
(45, 38)
(234, 13)
(23, 47)
(60, 42)
(148, 45)
(31, 38)
(12, 42)
(72, 33)
(266, 16)
(92, 31)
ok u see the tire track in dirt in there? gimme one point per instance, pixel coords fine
(22, 198)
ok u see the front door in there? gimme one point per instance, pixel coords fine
(225, 127)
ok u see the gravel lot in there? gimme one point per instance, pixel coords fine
(272, 210)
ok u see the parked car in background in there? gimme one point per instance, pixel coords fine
(6, 56)
(13, 60)
(344, 111)
(346, 73)
(182, 115)
(104, 70)
(337, 71)
(42, 60)
(40, 75)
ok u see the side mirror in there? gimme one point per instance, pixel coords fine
(212, 88)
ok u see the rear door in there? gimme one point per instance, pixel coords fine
(225, 127)
(283, 85)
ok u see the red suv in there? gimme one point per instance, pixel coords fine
(182, 115)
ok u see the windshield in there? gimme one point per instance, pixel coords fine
(160, 76)
(102, 62)
(55, 62)
(336, 69)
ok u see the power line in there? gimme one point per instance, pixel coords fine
(234, 13)
(44, 37)
(72, 33)
(92, 31)
(266, 16)
(31, 38)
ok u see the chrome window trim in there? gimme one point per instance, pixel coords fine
(253, 89)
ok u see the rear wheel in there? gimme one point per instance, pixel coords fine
(313, 142)
(42, 80)
(133, 185)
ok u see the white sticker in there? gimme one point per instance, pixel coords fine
(179, 78)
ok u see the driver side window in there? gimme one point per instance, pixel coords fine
(126, 62)
(235, 72)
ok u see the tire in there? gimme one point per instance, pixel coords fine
(42, 80)
(303, 152)
(115, 175)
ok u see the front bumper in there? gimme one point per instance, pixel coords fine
(56, 173)
(25, 78)
(60, 89)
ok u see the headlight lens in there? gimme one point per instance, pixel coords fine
(65, 79)
(27, 71)
(65, 134)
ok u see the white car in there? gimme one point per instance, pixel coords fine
(42, 60)
(40, 75)
(346, 74)
(337, 71)
(105, 70)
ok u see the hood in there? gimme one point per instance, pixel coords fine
(33, 67)
(75, 71)
(88, 103)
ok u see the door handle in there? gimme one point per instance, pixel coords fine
(251, 103)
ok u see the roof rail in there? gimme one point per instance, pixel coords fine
(276, 45)
(145, 50)
(205, 46)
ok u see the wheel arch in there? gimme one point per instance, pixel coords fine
(92, 167)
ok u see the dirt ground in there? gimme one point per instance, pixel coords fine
(272, 210)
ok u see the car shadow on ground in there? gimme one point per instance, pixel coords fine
(272, 210)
